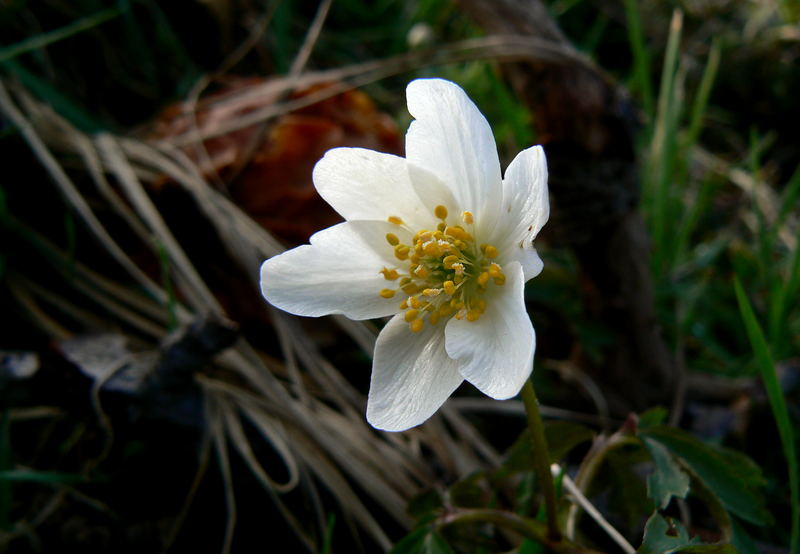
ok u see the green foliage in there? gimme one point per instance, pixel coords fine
(422, 541)
(561, 436)
(662, 535)
(731, 476)
(668, 479)
(777, 402)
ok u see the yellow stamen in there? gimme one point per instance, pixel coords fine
(441, 212)
(404, 305)
(495, 270)
(421, 272)
(491, 251)
(473, 315)
(392, 239)
(394, 219)
(448, 261)
(442, 226)
(433, 319)
(468, 218)
(387, 293)
(411, 315)
(417, 325)
(430, 293)
(389, 274)
(401, 252)
(449, 288)
(416, 303)
(483, 278)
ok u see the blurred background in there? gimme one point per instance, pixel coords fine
(155, 153)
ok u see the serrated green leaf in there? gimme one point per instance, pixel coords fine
(733, 477)
(662, 536)
(667, 479)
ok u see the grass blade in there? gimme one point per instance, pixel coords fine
(777, 402)
(45, 39)
(641, 56)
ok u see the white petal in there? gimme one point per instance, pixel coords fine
(338, 273)
(526, 205)
(411, 376)
(451, 139)
(495, 353)
(368, 185)
(532, 264)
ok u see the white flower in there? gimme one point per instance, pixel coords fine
(439, 240)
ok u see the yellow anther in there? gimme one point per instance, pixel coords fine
(461, 313)
(445, 310)
(394, 219)
(417, 325)
(401, 252)
(433, 319)
(387, 293)
(404, 305)
(392, 239)
(473, 315)
(481, 305)
(422, 272)
(483, 278)
(416, 303)
(431, 248)
(440, 211)
(456, 232)
(430, 293)
(500, 280)
(448, 261)
(467, 217)
(409, 288)
(389, 274)
(491, 251)
(442, 226)
(495, 270)
(411, 315)
(438, 235)
(458, 268)
(449, 288)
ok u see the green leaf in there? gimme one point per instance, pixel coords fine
(733, 477)
(425, 503)
(472, 492)
(662, 536)
(777, 402)
(562, 436)
(422, 541)
(653, 416)
(711, 548)
(668, 479)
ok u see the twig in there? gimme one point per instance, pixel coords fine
(592, 511)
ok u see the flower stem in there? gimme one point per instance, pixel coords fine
(541, 458)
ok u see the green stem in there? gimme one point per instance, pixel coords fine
(527, 527)
(541, 458)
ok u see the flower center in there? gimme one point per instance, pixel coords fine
(443, 273)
